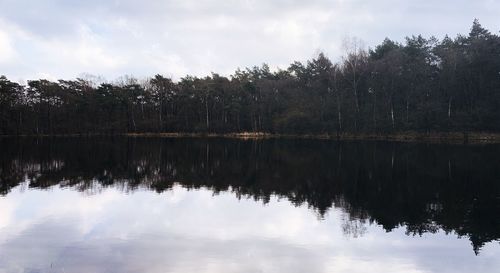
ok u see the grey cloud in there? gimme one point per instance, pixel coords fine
(195, 37)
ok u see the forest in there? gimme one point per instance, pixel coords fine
(421, 85)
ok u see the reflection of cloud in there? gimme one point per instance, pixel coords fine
(348, 264)
(7, 210)
(193, 231)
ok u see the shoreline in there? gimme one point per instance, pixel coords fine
(416, 137)
(435, 137)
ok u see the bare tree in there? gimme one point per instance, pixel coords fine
(354, 63)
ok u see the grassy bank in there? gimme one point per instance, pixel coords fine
(433, 137)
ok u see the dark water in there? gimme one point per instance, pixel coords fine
(213, 205)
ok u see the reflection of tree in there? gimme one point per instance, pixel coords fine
(422, 187)
(355, 227)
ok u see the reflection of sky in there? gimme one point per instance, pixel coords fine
(61, 230)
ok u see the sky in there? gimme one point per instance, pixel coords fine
(65, 39)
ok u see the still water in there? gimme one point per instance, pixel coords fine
(218, 205)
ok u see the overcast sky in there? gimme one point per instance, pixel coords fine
(64, 38)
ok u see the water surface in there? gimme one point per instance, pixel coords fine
(215, 205)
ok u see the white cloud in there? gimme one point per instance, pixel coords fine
(7, 52)
(112, 38)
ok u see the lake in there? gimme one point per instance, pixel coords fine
(226, 205)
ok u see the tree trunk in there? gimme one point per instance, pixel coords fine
(206, 114)
(160, 125)
(375, 111)
(407, 109)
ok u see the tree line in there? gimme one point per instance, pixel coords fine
(422, 85)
